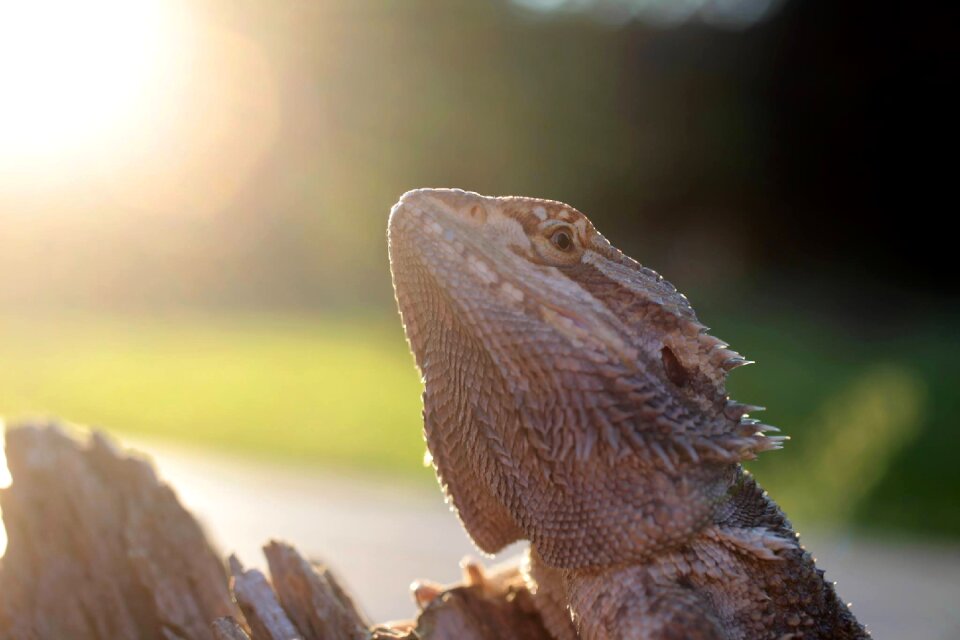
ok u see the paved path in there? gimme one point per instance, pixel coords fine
(380, 537)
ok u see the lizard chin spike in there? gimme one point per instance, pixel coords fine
(751, 427)
(737, 361)
(770, 443)
(737, 410)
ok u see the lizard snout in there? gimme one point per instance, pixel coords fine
(454, 202)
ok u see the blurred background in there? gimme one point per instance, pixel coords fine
(193, 203)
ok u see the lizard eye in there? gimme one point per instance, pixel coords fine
(562, 240)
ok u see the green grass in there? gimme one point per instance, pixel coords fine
(872, 413)
(340, 392)
(872, 421)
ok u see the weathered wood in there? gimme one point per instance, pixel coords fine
(267, 619)
(465, 613)
(319, 606)
(228, 629)
(98, 547)
(487, 604)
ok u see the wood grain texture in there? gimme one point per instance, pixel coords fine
(265, 617)
(228, 629)
(317, 603)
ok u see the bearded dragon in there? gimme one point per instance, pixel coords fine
(573, 399)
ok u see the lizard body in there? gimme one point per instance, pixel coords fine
(573, 399)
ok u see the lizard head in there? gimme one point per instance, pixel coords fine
(557, 308)
(540, 340)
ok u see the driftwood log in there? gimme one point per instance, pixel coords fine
(98, 547)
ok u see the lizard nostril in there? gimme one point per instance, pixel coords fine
(477, 213)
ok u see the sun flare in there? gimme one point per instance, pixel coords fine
(145, 104)
(73, 73)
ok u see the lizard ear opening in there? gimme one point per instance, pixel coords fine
(671, 365)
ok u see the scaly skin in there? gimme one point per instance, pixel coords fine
(572, 399)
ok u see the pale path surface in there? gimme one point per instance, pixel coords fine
(380, 537)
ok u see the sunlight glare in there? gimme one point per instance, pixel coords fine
(136, 106)
(72, 73)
